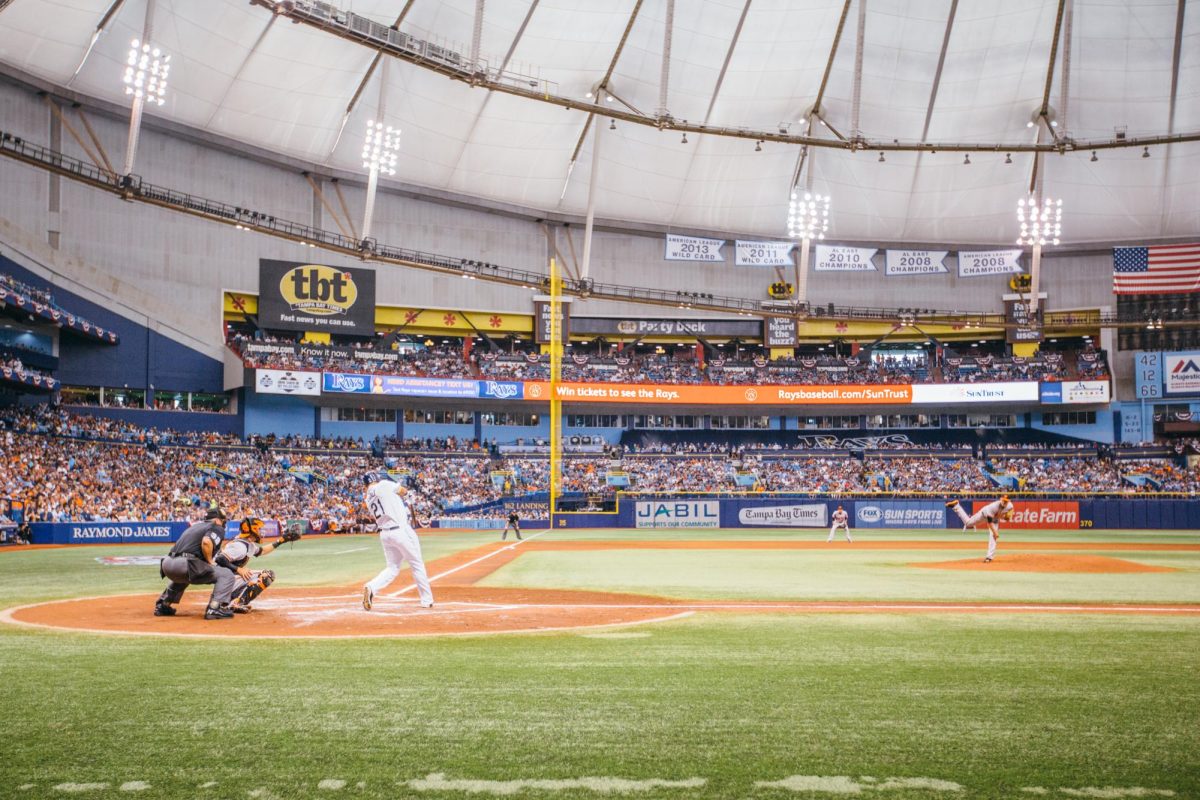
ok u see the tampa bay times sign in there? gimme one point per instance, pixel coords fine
(295, 296)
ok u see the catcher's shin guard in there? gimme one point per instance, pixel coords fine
(254, 588)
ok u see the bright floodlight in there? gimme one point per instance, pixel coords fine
(146, 72)
(808, 216)
(1040, 225)
(380, 147)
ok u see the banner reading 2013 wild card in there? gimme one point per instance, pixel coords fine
(295, 296)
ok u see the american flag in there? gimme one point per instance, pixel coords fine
(1170, 268)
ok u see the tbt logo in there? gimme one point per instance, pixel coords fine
(317, 289)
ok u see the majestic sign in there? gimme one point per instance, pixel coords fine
(832, 258)
(610, 326)
(1021, 325)
(1182, 372)
(283, 381)
(779, 331)
(975, 263)
(678, 514)
(296, 296)
(763, 254)
(916, 262)
(810, 515)
(693, 248)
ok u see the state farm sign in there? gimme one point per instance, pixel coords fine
(1041, 514)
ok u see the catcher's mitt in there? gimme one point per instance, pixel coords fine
(289, 536)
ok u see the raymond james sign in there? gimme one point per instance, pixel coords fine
(811, 515)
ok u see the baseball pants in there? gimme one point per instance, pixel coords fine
(183, 571)
(400, 546)
(971, 520)
(833, 529)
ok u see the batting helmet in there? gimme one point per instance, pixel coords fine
(251, 528)
(375, 477)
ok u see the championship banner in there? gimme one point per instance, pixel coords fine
(693, 248)
(295, 296)
(977, 263)
(284, 381)
(832, 258)
(763, 254)
(916, 262)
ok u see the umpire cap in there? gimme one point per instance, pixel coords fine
(215, 512)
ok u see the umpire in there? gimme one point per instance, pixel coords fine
(193, 560)
(513, 524)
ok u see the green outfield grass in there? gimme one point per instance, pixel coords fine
(891, 705)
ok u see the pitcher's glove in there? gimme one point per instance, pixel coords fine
(289, 536)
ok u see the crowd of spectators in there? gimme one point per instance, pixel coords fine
(678, 367)
(78, 468)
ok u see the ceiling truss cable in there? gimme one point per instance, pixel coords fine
(365, 79)
(1064, 80)
(101, 26)
(856, 96)
(241, 68)
(1165, 202)
(600, 98)
(512, 48)
(1044, 111)
(138, 190)
(664, 80)
(802, 158)
(477, 35)
(365, 32)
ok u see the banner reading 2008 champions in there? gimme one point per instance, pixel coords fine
(295, 296)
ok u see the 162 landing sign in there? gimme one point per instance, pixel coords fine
(295, 296)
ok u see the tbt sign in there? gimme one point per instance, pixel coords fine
(294, 296)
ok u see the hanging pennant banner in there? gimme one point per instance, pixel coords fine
(763, 254)
(844, 259)
(693, 248)
(916, 262)
(972, 264)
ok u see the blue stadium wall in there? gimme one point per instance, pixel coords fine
(142, 359)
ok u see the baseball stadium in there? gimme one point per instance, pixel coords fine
(556, 399)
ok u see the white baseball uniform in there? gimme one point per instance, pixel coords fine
(989, 514)
(840, 520)
(398, 538)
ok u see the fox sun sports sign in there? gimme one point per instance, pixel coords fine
(295, 296)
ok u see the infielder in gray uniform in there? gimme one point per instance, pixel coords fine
(193, 560)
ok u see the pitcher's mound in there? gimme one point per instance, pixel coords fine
(1039, 562)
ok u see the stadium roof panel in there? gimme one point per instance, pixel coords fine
(240, 72)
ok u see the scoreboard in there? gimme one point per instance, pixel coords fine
(1148, 374)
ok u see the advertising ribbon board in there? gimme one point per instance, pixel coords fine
(283, 381)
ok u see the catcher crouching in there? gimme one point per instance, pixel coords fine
(236, 554)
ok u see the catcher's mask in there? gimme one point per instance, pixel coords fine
(1003, 498)
(251, 528)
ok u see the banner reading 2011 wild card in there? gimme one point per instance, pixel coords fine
(295, 296)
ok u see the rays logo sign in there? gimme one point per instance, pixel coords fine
(1182, 373)
(316, 297)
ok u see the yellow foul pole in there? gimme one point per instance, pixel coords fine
(556, 354)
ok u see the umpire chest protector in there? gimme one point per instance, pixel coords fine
(189, 543)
